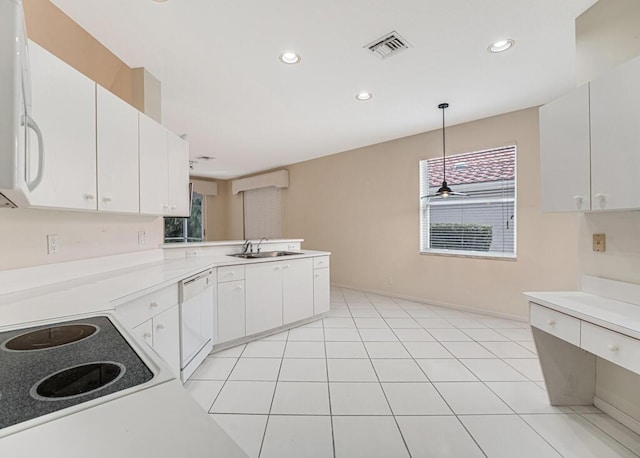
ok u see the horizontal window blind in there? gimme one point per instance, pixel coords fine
(262, 213)
(481, 223)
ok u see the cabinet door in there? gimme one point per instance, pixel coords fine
(564, 153)
(297, 290)
(321, 291)
(64, 103)
(117, 147)
(145, 332)
(231, 316)
(154, 195)
(178, 159)
(166, 337)
(263, 296)
(615, 138)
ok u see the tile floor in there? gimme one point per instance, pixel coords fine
(384, 377)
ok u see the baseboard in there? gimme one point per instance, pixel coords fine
(463, 308)
(617, 414)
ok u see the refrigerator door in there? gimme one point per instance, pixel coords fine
(21, 170)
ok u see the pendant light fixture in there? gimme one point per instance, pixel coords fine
(445, 191)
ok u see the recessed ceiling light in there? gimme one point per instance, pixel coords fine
(362, 96)
(160, 1)
(501, 45)
(290, 57)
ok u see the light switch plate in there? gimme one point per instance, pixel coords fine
(52, 243)
(599, 243)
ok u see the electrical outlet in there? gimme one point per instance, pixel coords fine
(192, 254)
(292, 246)
(52, 243)
(389, 281)
(142, 237)
(599, 243)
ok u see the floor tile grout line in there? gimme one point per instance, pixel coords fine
(225, 381)
(605, 432)
(326, 363)
(273, 396)
(395, 420)
(394, 331)
(442, 397)
(539, 434)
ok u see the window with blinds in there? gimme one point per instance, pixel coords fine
(262, 213)
(481, 223)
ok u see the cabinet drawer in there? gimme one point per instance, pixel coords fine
(320, 262)
(230, 273)
(555, 323)
(612, 346)
(143, 308)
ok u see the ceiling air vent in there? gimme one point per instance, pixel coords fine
(388, 45)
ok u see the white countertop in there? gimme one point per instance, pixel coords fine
(163, 421)
(593, 307)
(159, 421)
(105, 290)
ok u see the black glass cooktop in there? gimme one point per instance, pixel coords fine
(45, 369)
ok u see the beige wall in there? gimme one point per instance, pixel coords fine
(23, 234)
(59, 34)
(607, 36)
(363, 206)
(225, 214)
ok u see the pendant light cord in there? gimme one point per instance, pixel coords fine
(444, 106)
(444, 149)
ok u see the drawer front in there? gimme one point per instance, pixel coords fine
(555, 323)
(320, 261)
(612, 346)
(146, 307)
(230, 273)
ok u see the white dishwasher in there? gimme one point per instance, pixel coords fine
(197, 303)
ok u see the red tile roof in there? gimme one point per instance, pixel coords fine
(478, 167)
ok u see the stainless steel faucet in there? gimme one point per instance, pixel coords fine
(247, 247)
(261, 240)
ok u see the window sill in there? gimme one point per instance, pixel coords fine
(507, 257)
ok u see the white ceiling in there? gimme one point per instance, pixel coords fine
(223, 85)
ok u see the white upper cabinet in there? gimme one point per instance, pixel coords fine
(615, 138)
(602, 120)
(117, 149)
(64, 103)
(154, 169)
(178, 160)
(564, 152)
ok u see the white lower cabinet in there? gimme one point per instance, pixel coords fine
(263, 296)
(297, 290)
(231, 316)
(145, 332)
(321, 291)
(162, 333)
(166, 337)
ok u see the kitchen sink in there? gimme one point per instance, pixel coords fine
(264, 254)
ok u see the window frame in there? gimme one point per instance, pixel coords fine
(426, 204)
(185, 237)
